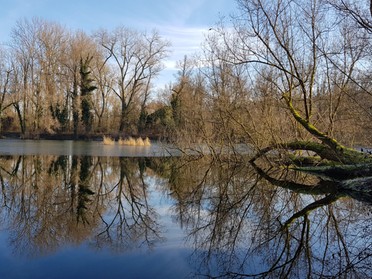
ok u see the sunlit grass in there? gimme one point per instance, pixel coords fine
(147, 142)
(121, 141)
(128, 141)
(135, 142)
(139, 142)
(108, 141)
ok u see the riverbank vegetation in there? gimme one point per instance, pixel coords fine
(127, 141)
(292, 76)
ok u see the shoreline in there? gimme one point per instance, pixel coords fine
(69, 136)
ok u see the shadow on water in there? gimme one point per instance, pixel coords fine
(237, 220)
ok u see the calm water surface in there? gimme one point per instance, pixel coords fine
(84, 210)
(84, 148)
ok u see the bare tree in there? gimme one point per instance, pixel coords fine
(359, 11)
(104, 78)
(23, 45)
(291, 38)
(39, 48)
(137, 58)
(5, 83)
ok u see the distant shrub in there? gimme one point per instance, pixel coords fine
(108, 141)
(147, 142)
(134, 142)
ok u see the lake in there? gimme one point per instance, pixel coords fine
(86, 210)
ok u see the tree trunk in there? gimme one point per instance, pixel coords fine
(329, 148)
(21, 120)
(75, 107)
(123, 117)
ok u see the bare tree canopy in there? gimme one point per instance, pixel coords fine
(137, 58)
(307, 53)
(359, 11)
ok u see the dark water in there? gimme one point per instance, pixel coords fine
(80, 214)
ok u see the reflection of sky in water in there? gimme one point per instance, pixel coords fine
(233, 221)
(168, 259)
(81, 262)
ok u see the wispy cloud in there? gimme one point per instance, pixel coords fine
(184, 23)
(185, 40)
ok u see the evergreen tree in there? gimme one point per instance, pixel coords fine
(61, 114)
(86, 89)
(75, 104)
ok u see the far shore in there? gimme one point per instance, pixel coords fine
(70, 136)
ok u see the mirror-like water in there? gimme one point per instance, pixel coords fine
(84, 148)
(77, 216)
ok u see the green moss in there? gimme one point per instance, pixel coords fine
(340, 155)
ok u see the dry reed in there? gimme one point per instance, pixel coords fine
(134, 142)
(147, 142)
(108, 141)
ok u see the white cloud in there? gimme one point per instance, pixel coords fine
(185, 40)
(170, 64)
(184, 23)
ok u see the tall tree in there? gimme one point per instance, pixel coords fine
(39, 48)
(293, 39)
(81, 45)
(86, 89)
(5, 84)
(137, 58)
(24, 44)
(104, 78)
(359, 11)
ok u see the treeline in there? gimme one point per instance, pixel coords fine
(280, 72)
(57, 81)
(275, 73)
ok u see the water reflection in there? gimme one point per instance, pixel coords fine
(245, 225)
(48, 201)
(240, 220)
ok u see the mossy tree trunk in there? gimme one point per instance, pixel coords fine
(289, 43)
(329, 148)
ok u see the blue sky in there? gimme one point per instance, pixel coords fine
(183, 22)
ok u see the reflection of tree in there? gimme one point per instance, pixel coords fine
(131, 220)
(242, 220)
(48, 201)
(245, 222)
(339, 256)
(84, 191)
(10, 169)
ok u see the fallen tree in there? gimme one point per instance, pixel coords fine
(326, 151)
(288, 44)
(322, 153)
(324, 157)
